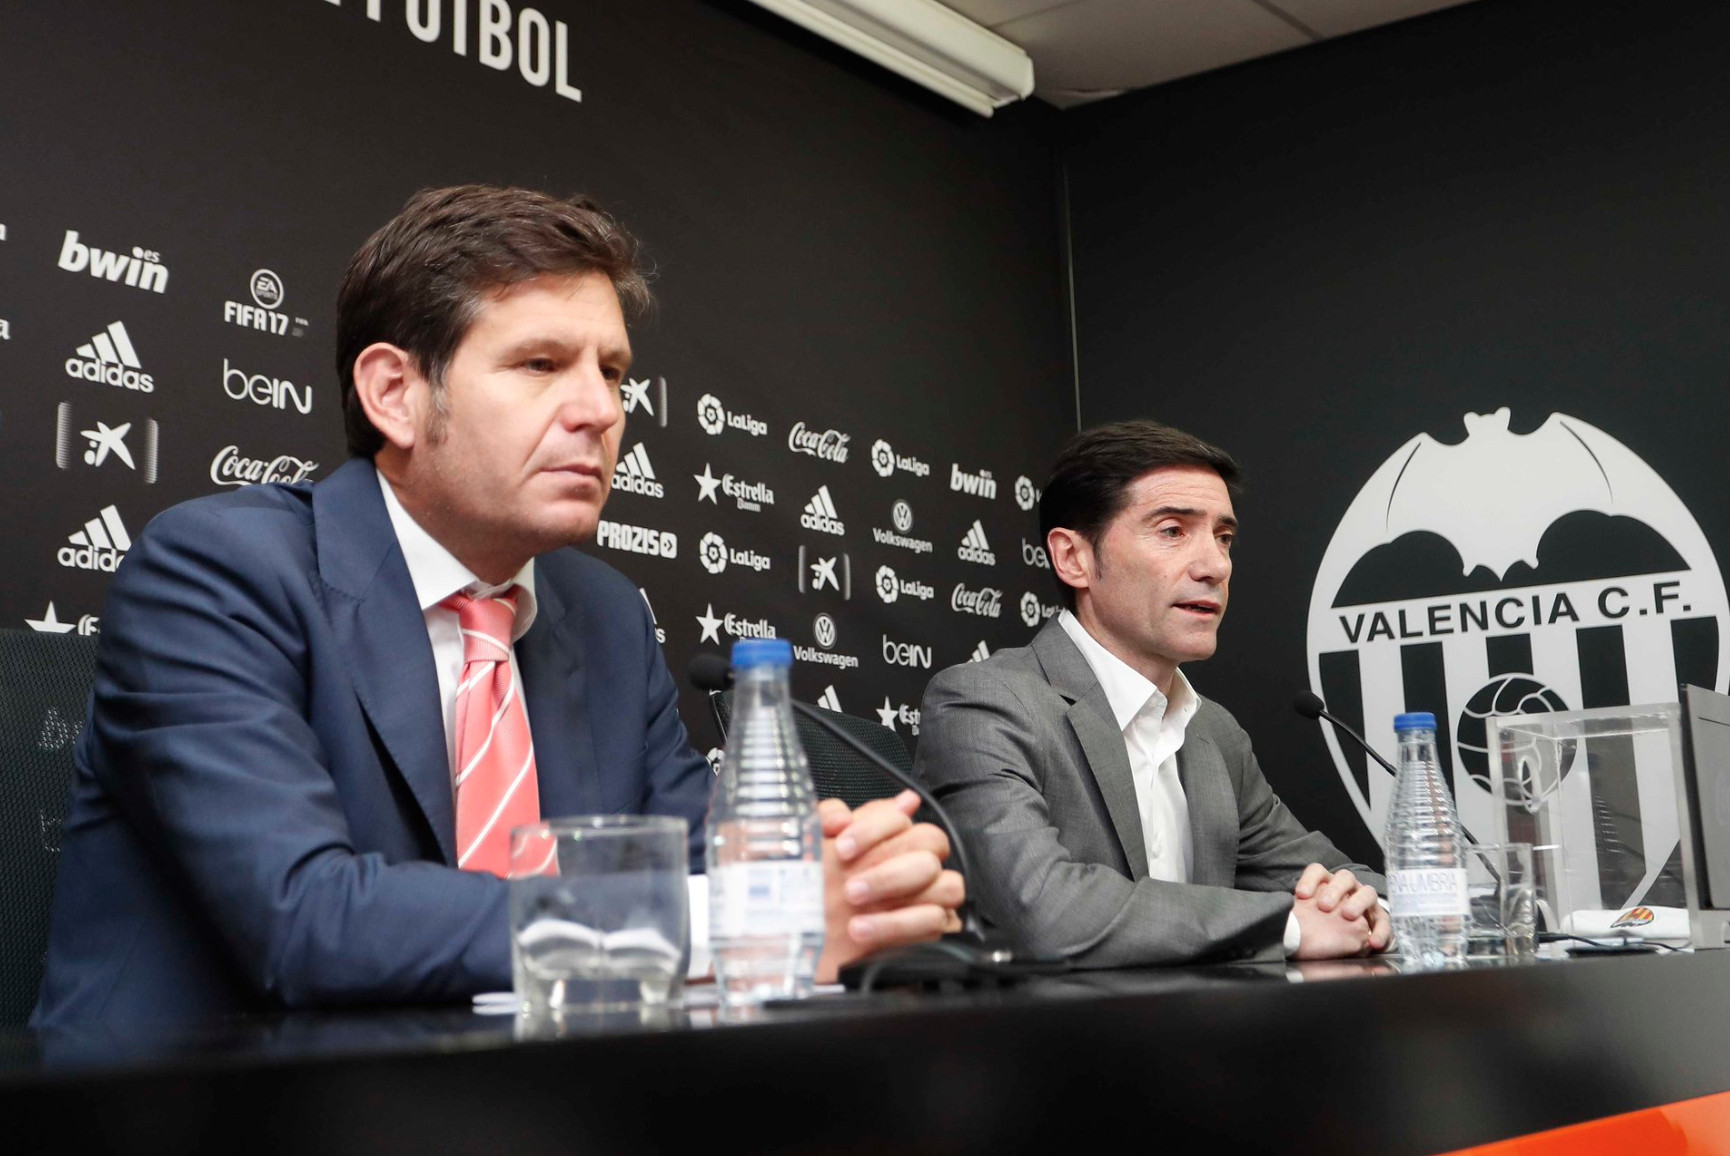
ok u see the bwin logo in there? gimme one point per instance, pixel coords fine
(142, 270)
(974, 547)
(110, 358)
(1520, 573)
(981, 485)
(820, 514)
(635, 475)
(99, 545)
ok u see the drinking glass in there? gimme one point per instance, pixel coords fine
(1499, 885)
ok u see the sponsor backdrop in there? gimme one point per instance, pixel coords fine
(858, 363)
(1455, 292)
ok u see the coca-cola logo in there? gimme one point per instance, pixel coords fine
(987, 601)
(829, 445)
(229, 468)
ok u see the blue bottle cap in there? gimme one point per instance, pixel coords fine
(1418, 720)
(748, 652)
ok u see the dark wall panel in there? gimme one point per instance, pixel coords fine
(1326, 261)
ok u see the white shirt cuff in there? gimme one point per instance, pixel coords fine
(1294, 935)
(697, 887)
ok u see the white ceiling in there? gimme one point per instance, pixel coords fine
(1089, 49)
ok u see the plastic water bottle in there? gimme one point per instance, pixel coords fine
(1425, 853)
(765, 854)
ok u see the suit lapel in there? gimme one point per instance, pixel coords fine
(551, 659)
(1101, 741)
(379, 626)
(1212, 810)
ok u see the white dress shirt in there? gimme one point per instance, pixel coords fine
(1153, 727)
(437, 575)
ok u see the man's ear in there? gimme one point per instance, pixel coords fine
(392, 391)
(1072, 558)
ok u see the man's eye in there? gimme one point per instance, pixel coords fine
(540, 365)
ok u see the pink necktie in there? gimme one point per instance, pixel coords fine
(495, 765)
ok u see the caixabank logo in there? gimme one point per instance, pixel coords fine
(1519, 573)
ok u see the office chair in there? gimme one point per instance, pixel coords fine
(44, 694)
(837, 772)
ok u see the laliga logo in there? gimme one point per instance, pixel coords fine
(1516, 574)
(886, 461)
(1026, 495)
(1033, 611)
(715, 417)
(712, 552)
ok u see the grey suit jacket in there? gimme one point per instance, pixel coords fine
(1024, 752)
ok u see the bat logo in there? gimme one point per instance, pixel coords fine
(1522, 573)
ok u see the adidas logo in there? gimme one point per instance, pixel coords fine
(829, 701)
(109, 357)
(974, 547)
(143, 269)
(820, 514)
(99, 545)
(634, 474)
(980, 652)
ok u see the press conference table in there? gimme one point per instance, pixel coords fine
(1345, 1058)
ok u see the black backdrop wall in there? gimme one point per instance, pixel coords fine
(861, 340)
(1328, 261)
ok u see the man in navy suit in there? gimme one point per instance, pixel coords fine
(263, 815)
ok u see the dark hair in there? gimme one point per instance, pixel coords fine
(418, 282)
(1090, 481)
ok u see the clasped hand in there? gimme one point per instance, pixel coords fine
(1338, 915)
(884, 883)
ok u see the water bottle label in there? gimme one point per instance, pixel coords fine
(1428, 891)
(774, 897)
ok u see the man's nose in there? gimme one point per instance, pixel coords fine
(1211, 562)
(590, 399)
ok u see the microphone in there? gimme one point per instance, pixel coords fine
(968, 954)
(1310, 705)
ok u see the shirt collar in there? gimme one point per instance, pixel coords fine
(1127, 690)
(437, 574)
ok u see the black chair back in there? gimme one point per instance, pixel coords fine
(837, 772)
(44, 694)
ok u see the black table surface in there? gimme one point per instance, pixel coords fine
(1347, 1058)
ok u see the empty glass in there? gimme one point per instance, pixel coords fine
(1499, 886)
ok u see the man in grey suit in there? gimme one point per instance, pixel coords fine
(1117, 817)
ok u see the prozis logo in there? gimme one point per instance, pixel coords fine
(830, 445)
(637, 539)
(824, 630)
(715, 417)
(889, 714)
(906, 654)
(713, 553)
(736, 626)
(110, 358)
(1026, 493)
(752, 496)
(987, 601)
(99, 545)
(647, 396)
(980, 485)
(902, 515)
(261, 389)
(819, 572)
(1512, 573)
(143, 269)
(890, 586)
(820, 514)
(1034, 555)
(974, 547)
(267, 294)
(886, 461)
(634, 474)
(106, 443)
(230, 468)
(50, 623)
(1033, 611)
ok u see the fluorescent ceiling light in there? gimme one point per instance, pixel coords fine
(924, 41)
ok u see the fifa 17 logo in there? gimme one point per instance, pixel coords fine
(142, 270)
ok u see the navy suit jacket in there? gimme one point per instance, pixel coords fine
(262, 813)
